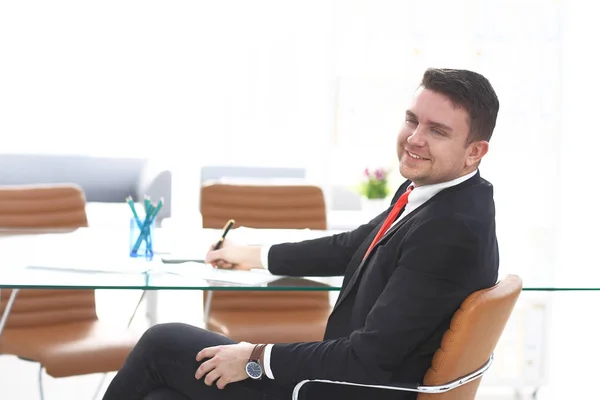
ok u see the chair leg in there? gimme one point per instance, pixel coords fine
(137, 306)
(40, 383)
(11, 300)
(152, 307)
(207, 305)
(99, 386)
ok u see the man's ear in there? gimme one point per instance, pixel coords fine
(476, 151)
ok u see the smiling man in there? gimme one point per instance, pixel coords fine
(441, 140)
(405, 273)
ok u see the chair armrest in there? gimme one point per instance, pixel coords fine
(405, 387)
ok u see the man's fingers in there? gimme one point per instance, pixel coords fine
(224, 264)
(211, 377)
(208, 352)
(218, 258)
(222, 382)
(205, 368)
(214, 256)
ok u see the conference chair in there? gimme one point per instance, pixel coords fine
(58, 329)
(266, 317)
(466, 351)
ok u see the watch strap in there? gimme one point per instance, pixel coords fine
(257, 352)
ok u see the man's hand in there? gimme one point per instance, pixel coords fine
(231, 256)
(225, 364)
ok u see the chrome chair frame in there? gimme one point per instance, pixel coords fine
(446, 387)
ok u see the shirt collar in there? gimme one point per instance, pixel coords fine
(421, 194)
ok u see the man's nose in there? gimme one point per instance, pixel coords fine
(417, 138)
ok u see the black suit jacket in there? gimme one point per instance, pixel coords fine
(395, 306)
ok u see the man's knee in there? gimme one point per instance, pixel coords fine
(160, 333)
(177, 337)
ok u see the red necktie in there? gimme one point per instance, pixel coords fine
(390, 218)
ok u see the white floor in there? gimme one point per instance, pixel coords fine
(18, 380)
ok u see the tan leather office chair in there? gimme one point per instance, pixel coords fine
(57, 328)
(466, 349)
(266, 317)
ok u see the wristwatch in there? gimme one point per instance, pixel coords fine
(253, 367)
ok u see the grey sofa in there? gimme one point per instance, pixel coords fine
(109, 180)
(105, 180)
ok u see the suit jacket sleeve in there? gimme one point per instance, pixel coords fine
(328, 256)
(425, 289)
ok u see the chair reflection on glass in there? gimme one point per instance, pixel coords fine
(58, 329)
(266, 317)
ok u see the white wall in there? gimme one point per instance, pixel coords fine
(575, 323)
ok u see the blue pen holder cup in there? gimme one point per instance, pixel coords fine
(140, 243)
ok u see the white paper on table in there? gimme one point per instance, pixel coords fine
(84, 250)
(89, 263)
(206, 272)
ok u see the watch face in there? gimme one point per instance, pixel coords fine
(254, 370)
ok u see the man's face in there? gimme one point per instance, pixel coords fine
(432, 144)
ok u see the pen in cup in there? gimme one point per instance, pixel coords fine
(226, 229)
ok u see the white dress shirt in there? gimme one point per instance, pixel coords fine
(416, 198)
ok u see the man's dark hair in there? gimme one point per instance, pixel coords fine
(470, 91)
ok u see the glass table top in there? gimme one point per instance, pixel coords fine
(98, 259)
(160, 280)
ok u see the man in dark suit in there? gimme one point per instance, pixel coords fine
(405, 272)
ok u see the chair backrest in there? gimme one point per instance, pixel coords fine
(45, 206)
(42, 206)
(270, 207)
(470, 341)
(263, 206)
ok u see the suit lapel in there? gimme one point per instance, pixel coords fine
(357, 272)
(357, 262)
